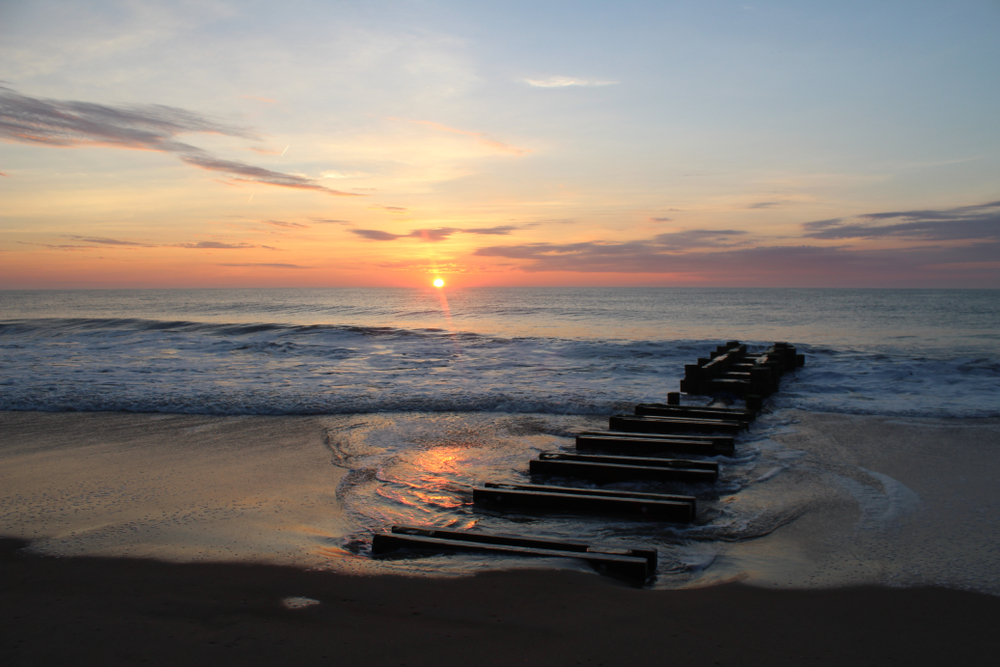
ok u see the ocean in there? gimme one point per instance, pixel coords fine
(426, 392)
(514, 350)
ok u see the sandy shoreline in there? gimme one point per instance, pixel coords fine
(176, 538)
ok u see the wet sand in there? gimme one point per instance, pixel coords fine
(174, 539)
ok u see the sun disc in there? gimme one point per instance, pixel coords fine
(438, 282)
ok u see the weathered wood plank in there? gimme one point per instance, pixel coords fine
(673, 425)
(609, 473)
(659, 462)
(693, 412)
(536, 497)
(626, 563)
(645, 444)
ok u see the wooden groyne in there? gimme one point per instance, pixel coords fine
(636, 447)
(634, 564)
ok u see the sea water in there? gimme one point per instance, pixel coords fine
(509, 350)
(425, 392)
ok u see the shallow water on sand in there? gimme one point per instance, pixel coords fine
(808, 500)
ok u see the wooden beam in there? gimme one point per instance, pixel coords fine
(694, 412)
(537, 497)
(673, 425)
(645, 444)
(609, 473)
(633, 564)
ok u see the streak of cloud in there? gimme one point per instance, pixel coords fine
(376, 235)
(63, 246)
(285, 225)
(245, 172)
(268, 266)
(214, 245)
(756, 265)
(979, 222)
(701, 238)
(432, 235)
(152, 127)
(498, 231)
(106, 241)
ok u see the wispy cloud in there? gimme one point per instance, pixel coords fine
(106, 241)
(501, 230)
(701, 238)
(57, 123)
(734, 256)
(478, 136)
(391, 209)
(757, 265)
(93, 242)
(566, 81)
(376, 235)
(269, 266)
(285, 225)
(62, 246)
(215, 245)
(329, 221)
(436, 234)
(150, 127)
(245, 172)
(437, 267)
(979, 222)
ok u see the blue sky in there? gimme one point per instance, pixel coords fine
(339, 143)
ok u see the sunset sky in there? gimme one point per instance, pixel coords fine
(698, 142)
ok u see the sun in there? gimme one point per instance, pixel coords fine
(438, 282)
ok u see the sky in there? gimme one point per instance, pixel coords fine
(330, 144)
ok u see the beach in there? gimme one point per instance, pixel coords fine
(196, 476)
(212, 539)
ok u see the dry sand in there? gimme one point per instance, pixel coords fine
(106, 611)
(174, 539)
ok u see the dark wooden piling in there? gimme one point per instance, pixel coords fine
(694, 412)
(732, 370)
(675, 425)
(611, 469)
(653, 444)
(543, 498)
(631, 563)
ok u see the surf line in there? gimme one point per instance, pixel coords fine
(637, 447)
